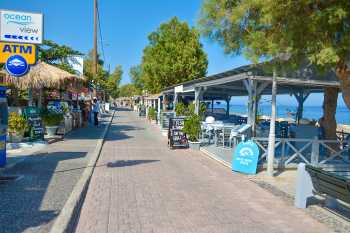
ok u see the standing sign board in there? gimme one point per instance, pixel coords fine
(21, 27)
(176, 137)
(245, 158)
(27, 51)
(165, 118)
(32, 115)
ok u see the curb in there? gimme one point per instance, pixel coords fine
(66, 220)
(215, 158)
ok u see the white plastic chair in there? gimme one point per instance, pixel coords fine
(209, 120)
(240, 131)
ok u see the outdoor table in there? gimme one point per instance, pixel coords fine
(207, 128)
(225, 128)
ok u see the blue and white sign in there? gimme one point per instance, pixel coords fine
(245, 157)
(21, 27)
(17, 65)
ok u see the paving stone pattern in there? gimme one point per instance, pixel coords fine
(139, 185)
(32, 203)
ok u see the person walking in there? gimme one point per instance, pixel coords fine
(95, 110)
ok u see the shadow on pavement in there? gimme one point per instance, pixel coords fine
(29, 202)
(118, 132)
(128, 163)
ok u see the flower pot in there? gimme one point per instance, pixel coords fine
(16, 137)
(51, 130)
(154, 122)
(194, 145)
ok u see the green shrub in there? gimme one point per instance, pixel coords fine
(192, 127)
(152, 113)
(190, 109)
(17, 123)
(52, 119)
(202, 109)
(180, 109)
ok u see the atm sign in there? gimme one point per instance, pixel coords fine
(28, 51)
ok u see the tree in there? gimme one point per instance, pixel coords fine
(136, 78)
(313, 31)
(174, 55)
(57, 55)
(127, 90)
(102, 75)
(113, 82)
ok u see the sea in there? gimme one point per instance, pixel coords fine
(310, 112)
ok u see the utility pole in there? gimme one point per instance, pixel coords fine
(94, 51)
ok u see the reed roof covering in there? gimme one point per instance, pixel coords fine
(43, 75)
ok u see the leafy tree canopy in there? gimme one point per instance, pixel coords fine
(58, 55)
(136, 78)
(316, 30)
(113, 81)
(174, 55)
(102, 75)
(127, 90)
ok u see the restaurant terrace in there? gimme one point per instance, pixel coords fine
(295, 141)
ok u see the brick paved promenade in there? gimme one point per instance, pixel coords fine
(32, 203)
(140, 185)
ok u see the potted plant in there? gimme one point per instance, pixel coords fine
(180, 109)
(52, 121)
(192, 128)
(17, 125)
(152, 115)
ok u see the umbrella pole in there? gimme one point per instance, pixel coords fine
(30, 96)
(40, 99)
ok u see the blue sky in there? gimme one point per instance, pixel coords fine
(125, 25)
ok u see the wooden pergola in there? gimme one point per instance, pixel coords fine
(254, 81)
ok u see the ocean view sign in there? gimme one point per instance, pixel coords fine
(28, 51)
(21, 27)
(245, 157)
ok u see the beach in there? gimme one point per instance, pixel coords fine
(310, 113)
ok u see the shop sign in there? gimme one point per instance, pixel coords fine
(21, 27)
(245, 158)
(16, 65)
(179, 89)
(28, 51)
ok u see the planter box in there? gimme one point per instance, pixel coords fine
(16, 137)
(51, 130)
(194, 145)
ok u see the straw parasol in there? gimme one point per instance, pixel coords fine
(40, 76)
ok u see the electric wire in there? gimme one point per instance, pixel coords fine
(100, 32)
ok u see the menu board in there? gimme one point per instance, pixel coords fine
(165, 117)
(176, 137)
(37, 129)
(35, 122)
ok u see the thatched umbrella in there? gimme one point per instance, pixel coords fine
(40, 76)
(43, 75)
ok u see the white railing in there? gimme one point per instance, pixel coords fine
(310, 151)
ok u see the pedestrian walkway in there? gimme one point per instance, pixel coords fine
(45, 181)
(139, 185)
